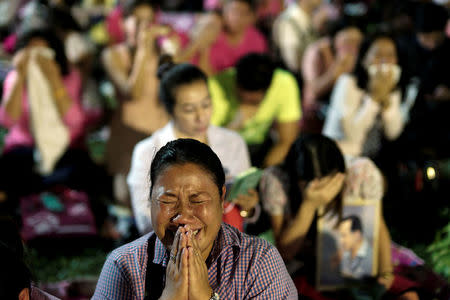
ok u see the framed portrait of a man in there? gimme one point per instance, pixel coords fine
(347, 244)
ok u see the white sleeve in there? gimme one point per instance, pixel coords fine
(243, 157)
(393, 119)
(139, 184)
(233, 153)
(350, 116)
(288, 44)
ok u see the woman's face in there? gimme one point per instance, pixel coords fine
(237, 16)
(431, 40)
(347, 41)
(192, 110)
(382, 51)
(186, 195)
(142, 17)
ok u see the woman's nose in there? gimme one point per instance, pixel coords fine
(200, 114)
(184, 215)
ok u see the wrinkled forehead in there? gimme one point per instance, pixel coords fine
(187, 175)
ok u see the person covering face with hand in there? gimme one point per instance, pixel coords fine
(367, 106)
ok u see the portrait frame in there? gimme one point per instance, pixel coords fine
(329, 252)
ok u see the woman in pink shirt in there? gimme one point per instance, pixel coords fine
(21, 162)
(221, 40)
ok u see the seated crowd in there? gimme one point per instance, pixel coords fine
(305, 107)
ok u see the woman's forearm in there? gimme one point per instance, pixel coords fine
(276, 154)
(323, 83)
(204, 62)
(13, 99)
(291, 238)
(186, 54)
(385, 262)
(138, 76)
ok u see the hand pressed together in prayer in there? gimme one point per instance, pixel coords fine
(186, 274)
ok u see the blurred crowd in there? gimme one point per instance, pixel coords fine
(331, 99)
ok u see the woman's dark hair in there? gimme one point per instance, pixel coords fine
(360, 71)
(183, 151)
(53, 41)
(173, 76)
(251, 3)
(14, 273)
(356, 223)
(130, 5)
(334, 27)
(254, 72)
(311, 156)
(61, 18)
(430, 17)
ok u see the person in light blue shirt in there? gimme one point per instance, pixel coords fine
(357, 259)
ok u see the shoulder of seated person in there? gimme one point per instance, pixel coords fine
(227, 134)
(281, 76)
(131, 248)
(118, 49)
(248, 242)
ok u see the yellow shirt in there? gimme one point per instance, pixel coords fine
(281, 103)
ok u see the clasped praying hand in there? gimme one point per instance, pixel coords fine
(186, 274)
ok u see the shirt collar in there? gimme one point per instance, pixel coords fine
(161, 253)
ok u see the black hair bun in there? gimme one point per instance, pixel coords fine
(165, 64)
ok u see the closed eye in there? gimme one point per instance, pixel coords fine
(168, 198)
(167, 201)
(199, 198)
